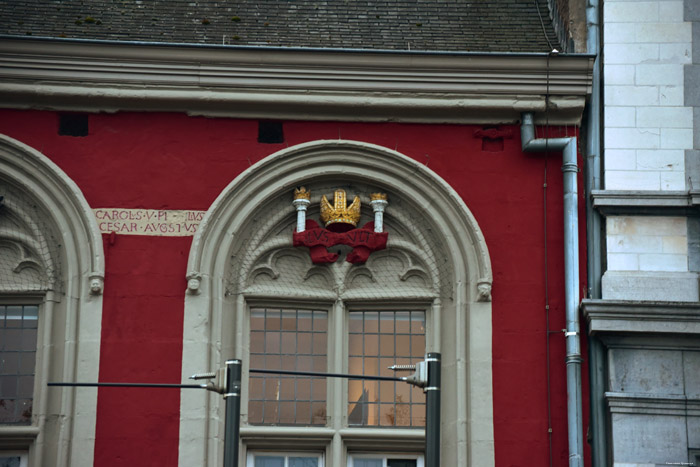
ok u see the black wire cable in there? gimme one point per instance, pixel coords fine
(544, 30)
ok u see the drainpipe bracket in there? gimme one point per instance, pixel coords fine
(571, 167)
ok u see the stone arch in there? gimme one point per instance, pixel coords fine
(468, 304)
(68, 287)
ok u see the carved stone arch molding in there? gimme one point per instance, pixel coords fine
(55, 251)
(436, 252)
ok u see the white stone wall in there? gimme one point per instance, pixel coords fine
(647, 128)
(652, 260)
(647, 244)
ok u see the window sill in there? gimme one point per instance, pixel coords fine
(17, 437)
(371, 439)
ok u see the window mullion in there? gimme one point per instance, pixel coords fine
(296, 365)
(337, 386)
(279, 378)
(339, 353)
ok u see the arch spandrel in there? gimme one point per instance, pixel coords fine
(29, 247)
(320, 161)
(29, 171)
(264, 262)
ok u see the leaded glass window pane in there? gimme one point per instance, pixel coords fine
(269, 461)
(18, 335)
(368, 463)
(303, 462)
(289, 339)
(283, 460)
(401, 463)
(377, 340)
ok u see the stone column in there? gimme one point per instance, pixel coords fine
(378, 202)
(301, 202)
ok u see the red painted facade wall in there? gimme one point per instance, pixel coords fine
(172, 161)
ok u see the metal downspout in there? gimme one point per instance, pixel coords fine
(571, 277)
(594, 236)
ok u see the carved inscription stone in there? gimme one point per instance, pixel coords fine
(163, 223)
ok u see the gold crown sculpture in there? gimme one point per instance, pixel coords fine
(301, 193)
(340, 213)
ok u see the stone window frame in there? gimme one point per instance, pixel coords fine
(386, 456)
(68, 348)
(250, 460)
(25, 301)
(208, 311)
(341, 437)
(337, 315)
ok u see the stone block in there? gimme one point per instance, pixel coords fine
(620, 117)
(675, 53)
(672, 181)
(636, 12)
(691, 371)
(646, 225)
(631, 95)
(696, 129)
(632, 180)
(661, 159)
(671, 11)
(646, 371)
(675, 245)
(664, 32)
(620, 159)
(692, 11)
(632, 138)
(619, 74)
(692, 168)
(659, 74)
(694, 437)
(634, 244)
(694, 244)
(692, 85)
(665, 117)
(696, 42)
(623, 262)
(671, 95)
(649, 439)
(621, 54)
(650, 286)
(676, 138)
(620, 33)
(663, 262)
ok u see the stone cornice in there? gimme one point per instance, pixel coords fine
(652, 404)
(608, 316)
(291, 83)
(656, 203)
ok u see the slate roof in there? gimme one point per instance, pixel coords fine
(436, 25)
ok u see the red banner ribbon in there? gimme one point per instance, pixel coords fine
(363, 240)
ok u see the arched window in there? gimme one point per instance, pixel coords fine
(253, 295)
(51, 274)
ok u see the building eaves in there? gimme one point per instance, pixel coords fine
(292, 83)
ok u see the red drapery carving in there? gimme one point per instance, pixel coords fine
(363, 241)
